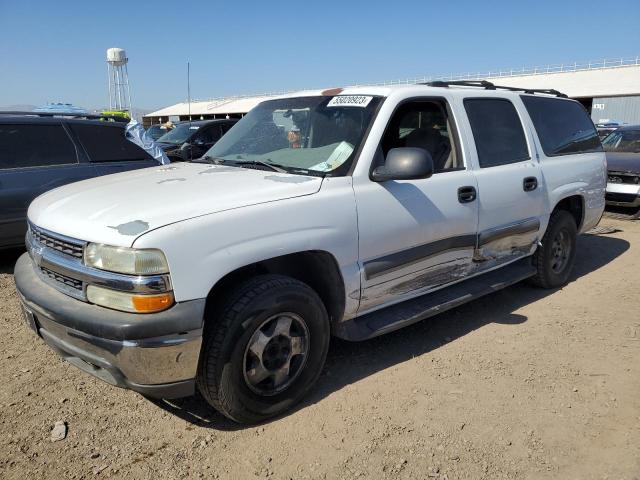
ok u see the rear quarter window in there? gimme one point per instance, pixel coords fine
(563, 126)
(106, 143)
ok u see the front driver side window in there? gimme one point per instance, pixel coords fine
(424, 124)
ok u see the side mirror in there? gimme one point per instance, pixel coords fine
(404, 164)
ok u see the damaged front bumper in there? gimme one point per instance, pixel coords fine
(153, 354)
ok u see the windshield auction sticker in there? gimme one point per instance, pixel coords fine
(350, 101)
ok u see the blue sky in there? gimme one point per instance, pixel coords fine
(55, 50)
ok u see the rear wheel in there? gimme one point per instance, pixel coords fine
(264, 350)
(555, 258)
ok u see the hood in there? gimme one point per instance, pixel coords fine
(116, 209)
(623, 162)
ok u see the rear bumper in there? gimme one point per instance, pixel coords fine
(154, 354)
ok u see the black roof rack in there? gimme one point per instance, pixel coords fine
(87, 116)
(490, 86)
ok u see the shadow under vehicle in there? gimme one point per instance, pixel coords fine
(347, 363)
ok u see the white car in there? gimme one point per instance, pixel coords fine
(340, 212)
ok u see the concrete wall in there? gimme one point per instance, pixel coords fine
(621, 109)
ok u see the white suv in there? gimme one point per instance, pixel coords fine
(340, 212)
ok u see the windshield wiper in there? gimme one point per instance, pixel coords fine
(217, 160)
(272, 166)
(208, 159)
(275, 167)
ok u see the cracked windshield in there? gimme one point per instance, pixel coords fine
(299, 135)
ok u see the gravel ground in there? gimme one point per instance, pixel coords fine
(524, 383)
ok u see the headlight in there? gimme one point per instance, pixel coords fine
(125, 260)
(129, 302)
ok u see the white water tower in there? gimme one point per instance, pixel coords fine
(119, 93)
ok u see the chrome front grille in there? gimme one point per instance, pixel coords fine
(48, 250)
(68, 281)
(58, 260)
(56, 242)
(622, 177)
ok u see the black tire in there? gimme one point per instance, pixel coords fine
(551, 271)
(223, 378)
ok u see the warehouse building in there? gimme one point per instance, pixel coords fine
(609, 90)
(234, 107)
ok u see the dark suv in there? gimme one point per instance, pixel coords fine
(39, 153)
(189, 140)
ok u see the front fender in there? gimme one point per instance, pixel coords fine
(202, 250)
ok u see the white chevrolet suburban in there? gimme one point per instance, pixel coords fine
(346, 212)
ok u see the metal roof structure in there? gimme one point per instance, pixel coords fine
(601, 78)
(220, 106)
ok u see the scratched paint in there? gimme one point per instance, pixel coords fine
(218, 169)
(505, 247)
(135, 227)
(441, 275)
(419, 282)
(170, 180)
(288, 178)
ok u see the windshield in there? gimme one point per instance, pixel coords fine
(622, 141)
(314, 134)
(180, 134)
(156, 131)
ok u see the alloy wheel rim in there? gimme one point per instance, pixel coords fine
(560, 251)
(276, 354)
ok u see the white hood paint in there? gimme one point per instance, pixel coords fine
(116, 209)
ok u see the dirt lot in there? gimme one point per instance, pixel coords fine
(525, 383)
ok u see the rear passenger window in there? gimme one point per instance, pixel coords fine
(107, 143)
(35, 146)
(563, 126)
(497, 131)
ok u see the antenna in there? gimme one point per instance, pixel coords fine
(189, 89)
(119, 92)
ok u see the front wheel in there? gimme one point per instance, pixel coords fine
(264, 350)
(555, 258)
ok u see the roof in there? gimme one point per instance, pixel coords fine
(220, 106)
(48, 120)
